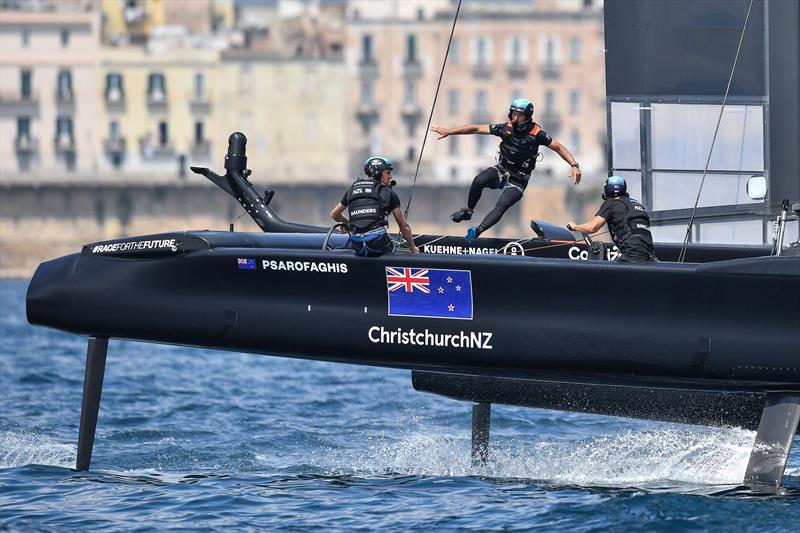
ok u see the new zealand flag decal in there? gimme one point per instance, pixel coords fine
(246, 263)
(429, 292)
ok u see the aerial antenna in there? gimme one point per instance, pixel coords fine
(682, 255)
(433, 106)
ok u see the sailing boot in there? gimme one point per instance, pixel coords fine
(465, 213)
(473, 233)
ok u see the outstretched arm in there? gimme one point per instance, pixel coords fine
(405, 229)
(461, 130)
(587, 227)
(567, 156)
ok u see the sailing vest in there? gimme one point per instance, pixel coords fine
(636, 223)
(518, 152)
(365, 205)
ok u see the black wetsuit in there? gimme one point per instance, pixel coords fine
(518, 153)
(629, 225)
(369, 204)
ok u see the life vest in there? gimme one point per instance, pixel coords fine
(365, 205)
(636, 223)
(518, 152)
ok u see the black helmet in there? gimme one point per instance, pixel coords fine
(615, 187)
(375, 165)
(523, 105)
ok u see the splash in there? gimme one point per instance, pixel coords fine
(18, 448)
(631, 458)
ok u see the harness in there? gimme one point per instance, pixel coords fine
(635, 224)
(365, 204)
(518, 153)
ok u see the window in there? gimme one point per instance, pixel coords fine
(410, 92)
(452, 145)
(411, 155)
(64, 129)
(549, 102)
(420, 14)
(25, 84)
(199, 85)
(366, 48)
(163, 133)
(64, 85)
(549, 51)
(64, 38)
(113, 130)
(516, 51)
(453, 97)
(26, 38)
(411, 48)
(455, 53)
(156, 88)
(482, 142)
(575, 50)
(199, 134)
(24, 128)
(114, 90)
(480, 54)
(367, 96)
(574, 102)
(575, 142)
(480, 102)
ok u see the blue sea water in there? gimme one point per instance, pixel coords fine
(196, 439)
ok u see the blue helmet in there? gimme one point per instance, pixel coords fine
(615, 187)
(375, 165)
(523, 105)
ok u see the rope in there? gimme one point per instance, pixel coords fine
(682, 255)
(433, 106)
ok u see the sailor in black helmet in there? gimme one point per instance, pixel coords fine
(519, 148)
(369, 201)
(628, 223)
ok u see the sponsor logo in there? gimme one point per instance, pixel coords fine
(136, 246)
(477, 340)
(467, 250)
(429, 292)
(304, 266)
(513, 248)
(366, 210)
(246, 263)
(583, 255)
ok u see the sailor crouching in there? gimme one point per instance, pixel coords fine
(628, 223)
(369, 201)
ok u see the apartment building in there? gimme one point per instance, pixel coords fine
(550, 52)
(156, 111)
(48, 93)
(291, 110)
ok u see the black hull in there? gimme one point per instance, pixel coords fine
(726, 325)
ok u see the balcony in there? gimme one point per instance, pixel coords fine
(411, 111)
(517, 71)
(368, 69)
(199, 103)
(157, 99)
(201, 148)
(65, 96)
(115, 145)
(25, 144)
(151, 151)
(481, 71)
(481, 116)
(412, 69)
(550, 121)
(64, 143)
(551, 71)
(20, 103)
(115, 99)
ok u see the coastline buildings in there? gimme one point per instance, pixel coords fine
(48, 95)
